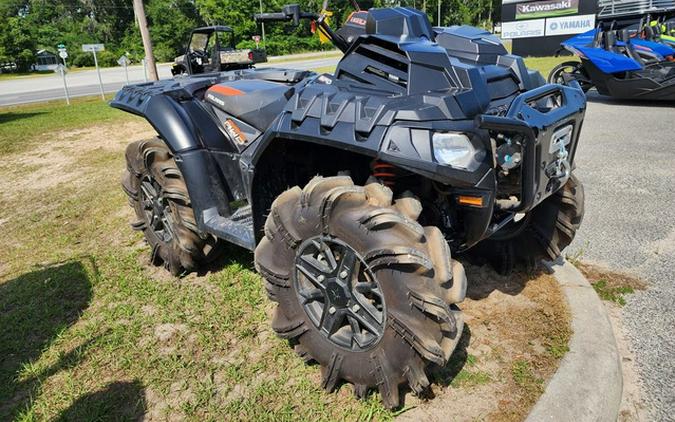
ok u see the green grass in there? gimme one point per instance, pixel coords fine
(544, 64)
(90, 331)
(24, 125)
(612, 293)
(611, 286)
(523, 375)
(23, 75)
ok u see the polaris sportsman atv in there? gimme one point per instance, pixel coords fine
(618, 65)
(355, 188)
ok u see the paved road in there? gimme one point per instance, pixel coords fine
(626, 160)
(82, 83)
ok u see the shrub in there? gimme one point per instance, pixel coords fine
(279, 45)
(81, 59)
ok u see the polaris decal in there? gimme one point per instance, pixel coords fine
(525, 29)
(541, 9)
(215, 99)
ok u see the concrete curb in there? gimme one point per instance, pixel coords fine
(588, 384)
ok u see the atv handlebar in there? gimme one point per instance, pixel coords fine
(290, 12)
(270, 17)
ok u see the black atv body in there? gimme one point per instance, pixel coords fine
(389, 93)
(423, 143)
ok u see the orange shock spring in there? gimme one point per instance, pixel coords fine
(385, 172)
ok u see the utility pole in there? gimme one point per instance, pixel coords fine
(139, 11)
(262, 24)
(439, 12)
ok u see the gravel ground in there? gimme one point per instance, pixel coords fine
(626, 160)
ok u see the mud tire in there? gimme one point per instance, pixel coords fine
(412, 264)
(186, 250)
(542, 234)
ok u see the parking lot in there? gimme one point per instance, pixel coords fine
(626, 160)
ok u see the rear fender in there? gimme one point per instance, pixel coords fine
(175, 124)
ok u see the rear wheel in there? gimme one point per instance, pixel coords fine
(160, 199)
(540, 234)
(361, 287)
(572, 68)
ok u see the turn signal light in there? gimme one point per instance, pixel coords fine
(472, 201)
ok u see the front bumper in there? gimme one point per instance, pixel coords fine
(547, 162)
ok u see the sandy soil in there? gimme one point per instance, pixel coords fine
(509, 320)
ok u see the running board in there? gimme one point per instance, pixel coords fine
(237, 229)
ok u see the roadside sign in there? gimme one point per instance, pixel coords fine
(256, 38)
(63, 54)
(93, 47)
(123, 61)
(62, 70)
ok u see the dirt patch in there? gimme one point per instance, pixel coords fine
(610, 285)
(517, 330)
(614, 279)
(66, 157)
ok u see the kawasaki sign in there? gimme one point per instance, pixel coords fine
(541, 9)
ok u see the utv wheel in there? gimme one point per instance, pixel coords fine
(541, 234)
(572, 68)
(160, 199)
(361, 287)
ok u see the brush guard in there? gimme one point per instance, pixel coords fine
(548, 119)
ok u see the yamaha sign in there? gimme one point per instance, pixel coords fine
(570, 25)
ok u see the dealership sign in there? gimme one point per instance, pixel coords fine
(570, 25)
(546, 8)
(524, 29)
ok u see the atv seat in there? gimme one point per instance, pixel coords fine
(256, 102)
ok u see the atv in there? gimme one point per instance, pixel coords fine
(356, 188)
(618, 65)
(211, 49)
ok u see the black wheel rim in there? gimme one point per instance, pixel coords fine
(156, 209)
(558, 77)
(339, 293)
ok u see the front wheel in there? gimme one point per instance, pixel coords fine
(575, 69)
(542, 233)
(360, 286)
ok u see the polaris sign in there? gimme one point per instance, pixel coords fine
(569, 25)
(524, 29)
(541, 9)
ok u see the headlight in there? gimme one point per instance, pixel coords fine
(454, 149)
